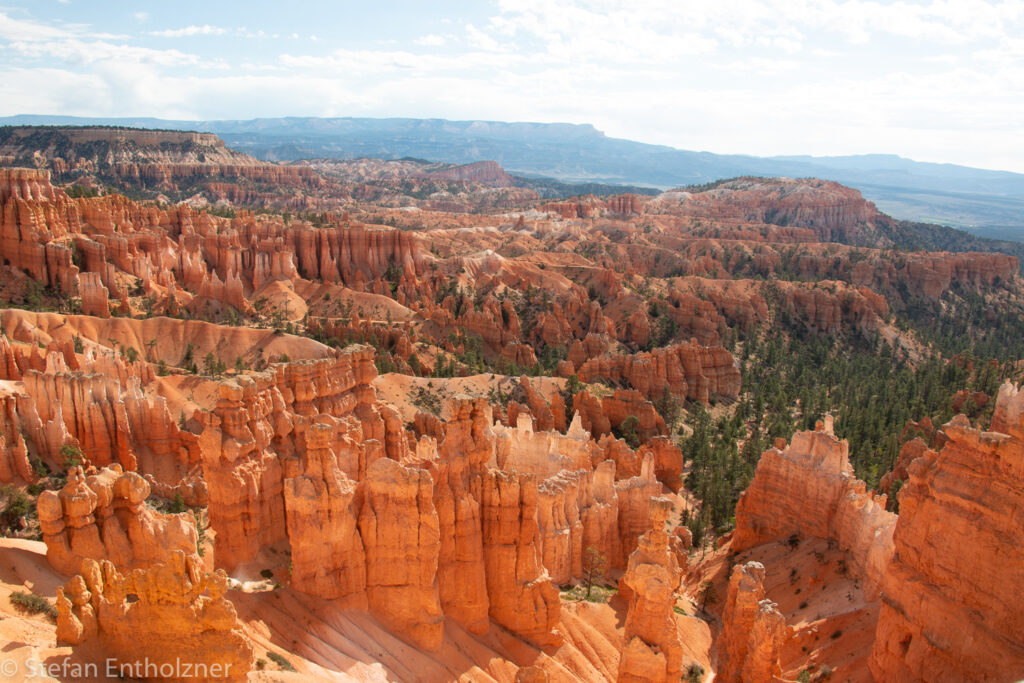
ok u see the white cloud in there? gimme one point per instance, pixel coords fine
(932, 79)
(431, 40)
(83, 53)
(18, 29)
(204, 30)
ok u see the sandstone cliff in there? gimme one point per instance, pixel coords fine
(951, 604)
(808, 488)
(651, 648)
(753, 629)
(687, 370)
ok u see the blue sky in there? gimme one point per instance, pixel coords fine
(934, 81)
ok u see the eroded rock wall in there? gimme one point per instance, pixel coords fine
(164, 615)
(952, 608)
(103, 516)
(808, 488)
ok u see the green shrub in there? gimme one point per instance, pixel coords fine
(15, 505)
(280, 661)
(72, 455)
(30, 603)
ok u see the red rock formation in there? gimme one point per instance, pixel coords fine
(835, 213)
(14, 460)
(909, 452)
(247, 439)
(687, 370)
(159, 617)
(104, 516)
(753, 629)
(328, 558)
(577, 516)
(625, 204)
(931, 274)
(488, 173)
(400, 531)
(829, 307)
(522, 597)
(651, 647)
(952, 608)
(465, 445)
(635, 496)
(809, 489)
(601, 416)
(668, 461)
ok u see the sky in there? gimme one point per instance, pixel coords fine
(935, 81)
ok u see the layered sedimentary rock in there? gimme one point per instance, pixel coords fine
(952, 608)
(14, 458)
(578, 520)
(522, 597)
(753, 629)
(808, 488)
(830, 307)
(464, 445)
(163, 616)
(835, 213)
(399, 527)
(651, 647)
(634, 499)
(247, 442)
(686, 370)
(328, 557)
(103, 516)
(485, 172)
(178, 249)
(102, 407)
(601, 416)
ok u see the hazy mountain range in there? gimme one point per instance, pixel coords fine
(986, 203)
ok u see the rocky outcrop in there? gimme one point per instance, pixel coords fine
(951, 604)
(931, 274)
(652, 650)
(830, 307)
(464, 445)
(488, 173)
(522, 597)
(147, 623)
(103, 516)
(247, 444)
(835, 213)
(601, 416)
(753, 629)
(808, 488)
(577, 516)
(328, 557)
(94, 295)
(686, 370)
(399, 527)
(14, 458)
(909, 452)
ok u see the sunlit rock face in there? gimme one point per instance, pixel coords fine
(952, 608)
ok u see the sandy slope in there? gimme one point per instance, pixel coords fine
(400, 390)
(833, 621)
(160, 338)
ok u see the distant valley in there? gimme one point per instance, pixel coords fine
(985, 203)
